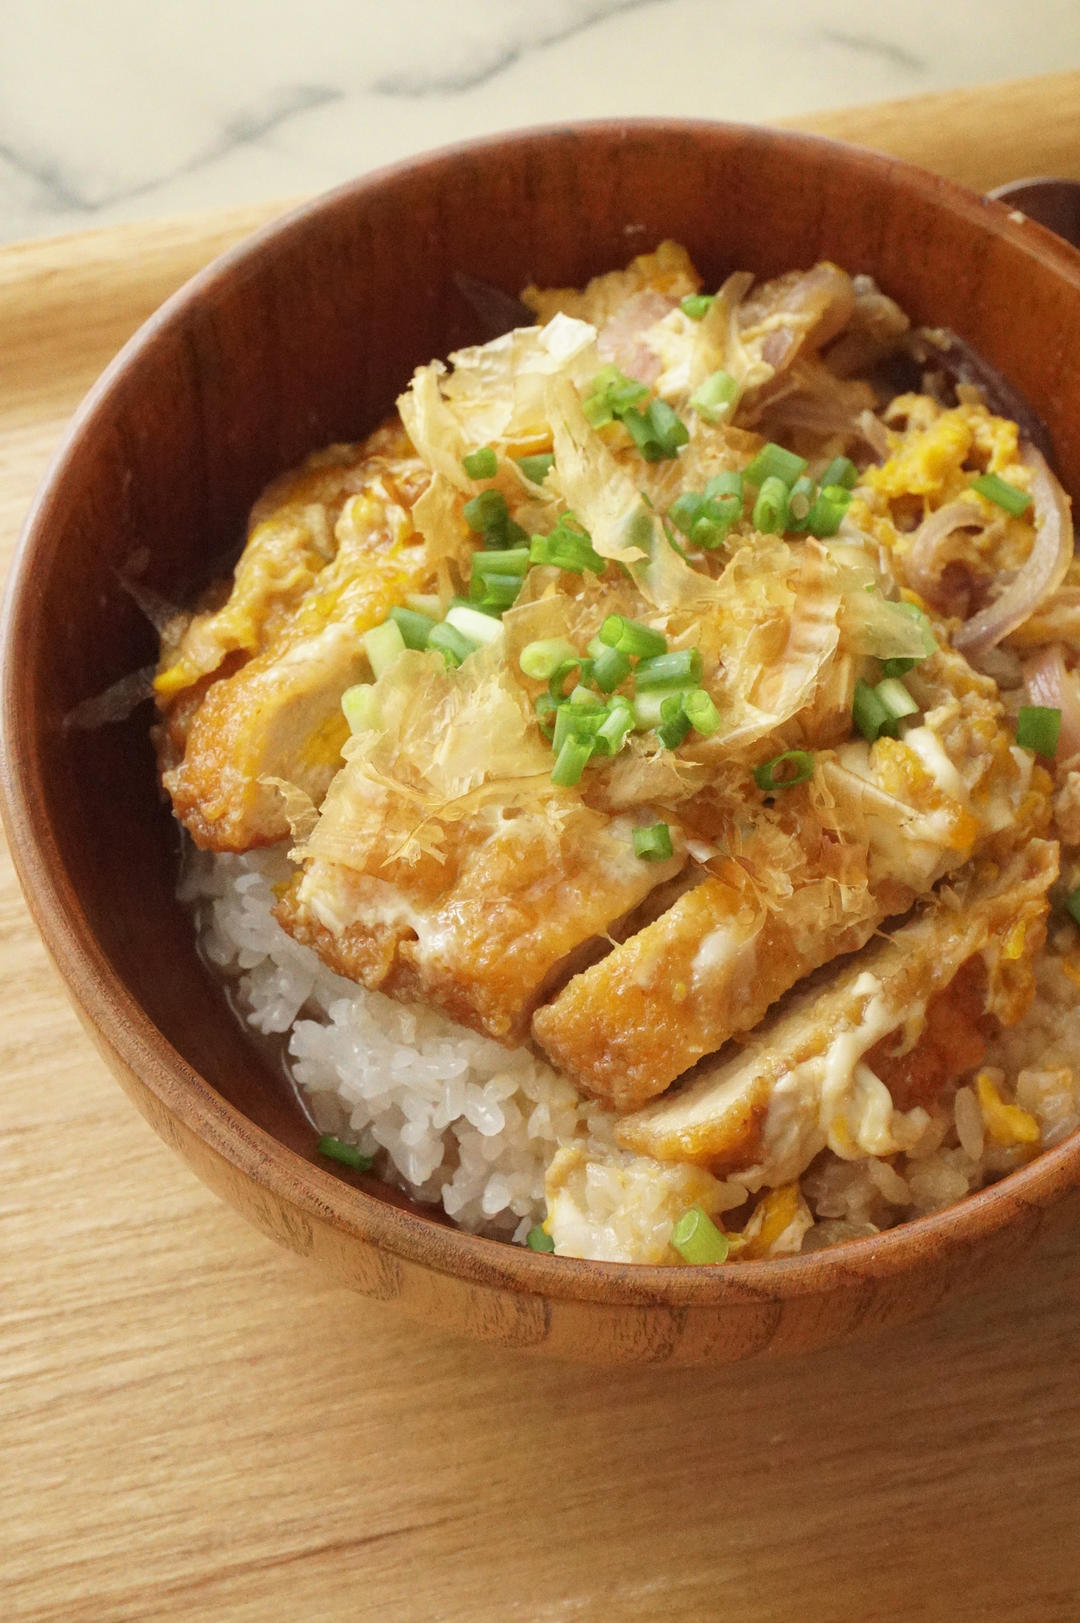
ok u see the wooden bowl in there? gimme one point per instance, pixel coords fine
(305, 335)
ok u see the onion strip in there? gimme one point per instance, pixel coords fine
(1050, 684)
(922, 566)
(1043, 572)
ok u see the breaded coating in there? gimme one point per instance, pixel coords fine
(804, 1081)
(250, 692)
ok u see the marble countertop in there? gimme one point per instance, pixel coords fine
(120, 110)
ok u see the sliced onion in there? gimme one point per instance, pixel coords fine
(1043, 572)
(1050, 684)
(115, 704)
(922, 565)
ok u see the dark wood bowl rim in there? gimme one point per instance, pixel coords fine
(125, 1030)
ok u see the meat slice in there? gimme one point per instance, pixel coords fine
(483, 936)
(707, 968)
(251, 691)
(803, 1082)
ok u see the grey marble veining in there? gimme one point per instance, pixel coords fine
(494, 56)
(122, 110)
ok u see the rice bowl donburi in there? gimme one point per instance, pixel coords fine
(636, 783)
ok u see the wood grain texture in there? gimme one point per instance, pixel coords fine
(982, 136)
(193, 1427)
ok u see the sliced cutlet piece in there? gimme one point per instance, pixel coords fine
(710, 966)
(802, 1083)
(514, 907)
(278, 717)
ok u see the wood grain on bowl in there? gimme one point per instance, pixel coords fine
(305, 336)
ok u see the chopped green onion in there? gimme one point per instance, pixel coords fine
(453, 644)
(500, 561)
(489, 515)
(487, 511)
(570, 762)
(415, 628)
(701, 713)
(773, 462)
(841, 471)
(428, 603)
(715, 399)
(869, 712)
(536, 468)
(653, 844)
(545, 707)
(337, 1150)
(684, 510)
(481, 464)
(567, 546)
(896, 698)
(801, 499)
(361, 708)
(899, 666)
(383, 644)
(609, 669)
(575, 721)
(698, 1240)
(711, 529)
(479, 628)
(541, 659)
(648, 708)
(714, 519)
(494, 593)
(1038, 728)
(631, 637)
(580, 666)
(728, 483)
(538, 1239)
(584, 698)
(612, 734)
(658, 432)
(674, 722)
(827, 512)
(611, 394)
(1072, 905)
(707, 518)
(770, 513)
(668, 426)
(696, 305)
(800, 771)
(1001, 493)
(670, 670)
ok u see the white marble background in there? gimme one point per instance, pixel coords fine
(115, 110)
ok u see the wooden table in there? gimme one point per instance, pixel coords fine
(192, 1428)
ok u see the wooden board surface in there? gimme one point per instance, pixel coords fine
(194, 1430)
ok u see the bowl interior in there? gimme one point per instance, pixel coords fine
(305, 336)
